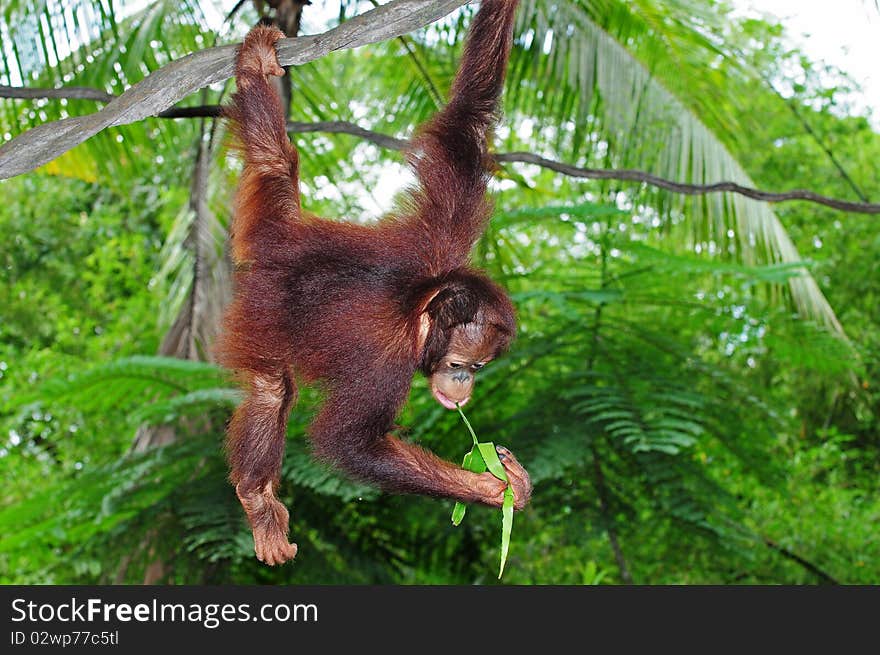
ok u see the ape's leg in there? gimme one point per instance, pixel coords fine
(267, 201)
(255, 446)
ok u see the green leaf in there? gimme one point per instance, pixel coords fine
(506, 527)
(483, 456)
(493, 463)
(458, 513)
(472, 461)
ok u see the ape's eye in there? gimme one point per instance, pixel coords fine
(454, 365)
(478, 365)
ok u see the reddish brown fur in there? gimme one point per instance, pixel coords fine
(342, 304)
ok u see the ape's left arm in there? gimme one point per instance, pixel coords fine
(351, 431)
(450, 154)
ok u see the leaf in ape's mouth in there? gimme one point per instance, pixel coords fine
(483, 456)
(445, 400)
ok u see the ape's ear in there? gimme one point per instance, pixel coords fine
(425, 324)
(426, 301)
(435, 345)
(424, 318)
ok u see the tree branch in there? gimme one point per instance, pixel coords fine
(629, 175)
(394, 143)
(163, 88)
(344, 127)
(65, 92)
(622, 174)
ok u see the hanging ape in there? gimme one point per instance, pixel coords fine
(360, 309)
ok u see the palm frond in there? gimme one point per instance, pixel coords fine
(607, 98)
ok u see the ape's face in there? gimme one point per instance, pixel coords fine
(471, 347)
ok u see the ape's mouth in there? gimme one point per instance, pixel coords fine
(445, 400)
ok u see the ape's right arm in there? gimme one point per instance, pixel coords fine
(451, 151)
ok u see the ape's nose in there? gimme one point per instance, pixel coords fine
(461, 377)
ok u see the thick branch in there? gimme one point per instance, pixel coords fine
(170, 84)
(393, 143)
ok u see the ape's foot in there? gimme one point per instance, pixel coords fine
(269, 522)
(272, 547)
(258, 54)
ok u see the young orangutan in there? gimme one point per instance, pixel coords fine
(360, 309)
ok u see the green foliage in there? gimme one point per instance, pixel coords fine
(482, 457)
